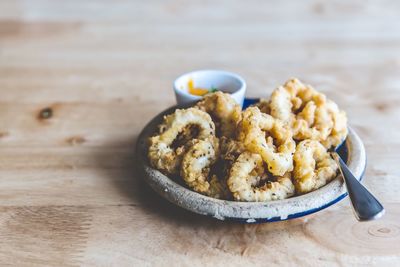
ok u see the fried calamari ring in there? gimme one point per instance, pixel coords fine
(161, 153)
(289, 99)
(276, 148)
(312, 123)
(247, 172)
(280, 105)
(339, 130)
(230, 150)
(312, 120)
(308, 112)
(224, 111)
(313, 166)
(196, 166)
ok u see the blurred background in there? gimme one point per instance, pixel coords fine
(85, 51)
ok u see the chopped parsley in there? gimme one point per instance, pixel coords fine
(213, 89)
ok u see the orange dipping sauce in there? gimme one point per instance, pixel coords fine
(196, 90)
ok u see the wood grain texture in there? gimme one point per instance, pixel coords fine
(79, 80)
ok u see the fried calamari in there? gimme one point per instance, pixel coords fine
(224, 110)
(270, 151)
(162, 153)
(196, 166)
(313, 166)
(309, 114)
(248, 172)
(267, 136)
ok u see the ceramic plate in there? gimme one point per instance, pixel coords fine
(352, 150)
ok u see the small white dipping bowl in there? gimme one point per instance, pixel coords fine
(224, 81)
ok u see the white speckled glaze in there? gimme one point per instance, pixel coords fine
(248, 212)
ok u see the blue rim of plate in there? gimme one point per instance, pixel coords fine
(342, 151)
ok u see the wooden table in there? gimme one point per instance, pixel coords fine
(79, 80)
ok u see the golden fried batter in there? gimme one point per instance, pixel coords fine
(339, 129)
(247, 172)
(196, 166)
(313, 166)
(262, 134)
(224, 111)
(308, 113)
(161, 153)
(251, 155)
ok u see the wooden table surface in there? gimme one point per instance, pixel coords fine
(79, 80)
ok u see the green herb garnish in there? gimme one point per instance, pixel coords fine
(213, 89)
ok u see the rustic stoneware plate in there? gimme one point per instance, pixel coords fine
(352, 150)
